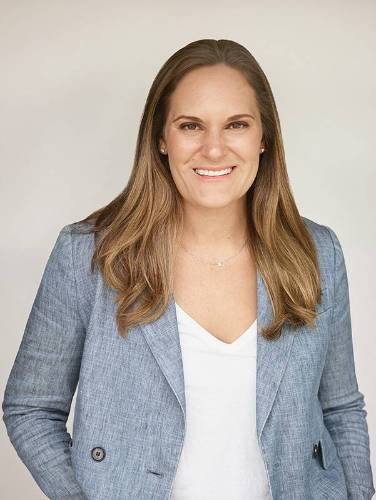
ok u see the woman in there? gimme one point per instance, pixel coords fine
(207, 322)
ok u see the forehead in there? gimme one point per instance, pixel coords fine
(213, 88)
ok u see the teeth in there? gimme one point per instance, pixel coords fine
(213, 173)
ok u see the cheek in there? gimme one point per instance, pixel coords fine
(183, 146)
(178, 141)
(179, 171)
(248, 146)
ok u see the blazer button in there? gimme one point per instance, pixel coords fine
(315, 450)
(98, 454)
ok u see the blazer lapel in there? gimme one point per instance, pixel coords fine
(162, 336)
(272, 357)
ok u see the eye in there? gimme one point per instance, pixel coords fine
(245, 125)
(183, 125)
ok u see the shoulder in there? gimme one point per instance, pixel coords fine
(80, 237)
(328, 247)
(325, 238)
(320, 233)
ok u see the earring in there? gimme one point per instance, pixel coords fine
(262, 150)
(163, 150)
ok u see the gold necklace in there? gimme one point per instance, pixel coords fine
(217, 262)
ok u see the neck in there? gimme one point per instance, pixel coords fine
(214, 230)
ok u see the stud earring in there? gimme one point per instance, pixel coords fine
(163, 150)
(262, 150)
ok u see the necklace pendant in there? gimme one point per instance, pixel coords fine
(219, 264)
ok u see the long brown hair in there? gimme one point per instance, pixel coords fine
(136, 234)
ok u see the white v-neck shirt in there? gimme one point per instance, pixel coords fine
(221, 458)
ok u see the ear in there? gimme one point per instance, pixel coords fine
(162, 144)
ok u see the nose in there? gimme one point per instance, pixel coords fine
(213, 145)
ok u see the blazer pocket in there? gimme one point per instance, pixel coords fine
(327, 449)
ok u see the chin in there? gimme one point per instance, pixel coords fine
(215, 203)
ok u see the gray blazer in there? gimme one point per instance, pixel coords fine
(129, 419)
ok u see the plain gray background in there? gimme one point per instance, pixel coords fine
(74, 79)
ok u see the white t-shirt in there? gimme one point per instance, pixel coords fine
(221, 458)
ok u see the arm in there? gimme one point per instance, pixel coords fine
(341, 401)
(44, 377)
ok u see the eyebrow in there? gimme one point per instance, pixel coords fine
(195, 118)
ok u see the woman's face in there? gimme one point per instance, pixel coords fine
(202, 131)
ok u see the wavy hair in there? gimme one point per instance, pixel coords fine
(136, 234)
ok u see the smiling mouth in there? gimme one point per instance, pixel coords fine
(214, 172)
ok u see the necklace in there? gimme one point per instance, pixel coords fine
(217, 262)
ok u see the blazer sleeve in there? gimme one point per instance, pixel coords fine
(44, 377)
(341, 401)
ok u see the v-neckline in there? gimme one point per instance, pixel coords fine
(212, 338)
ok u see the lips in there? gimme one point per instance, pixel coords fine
(214, 168)
(215, 177)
